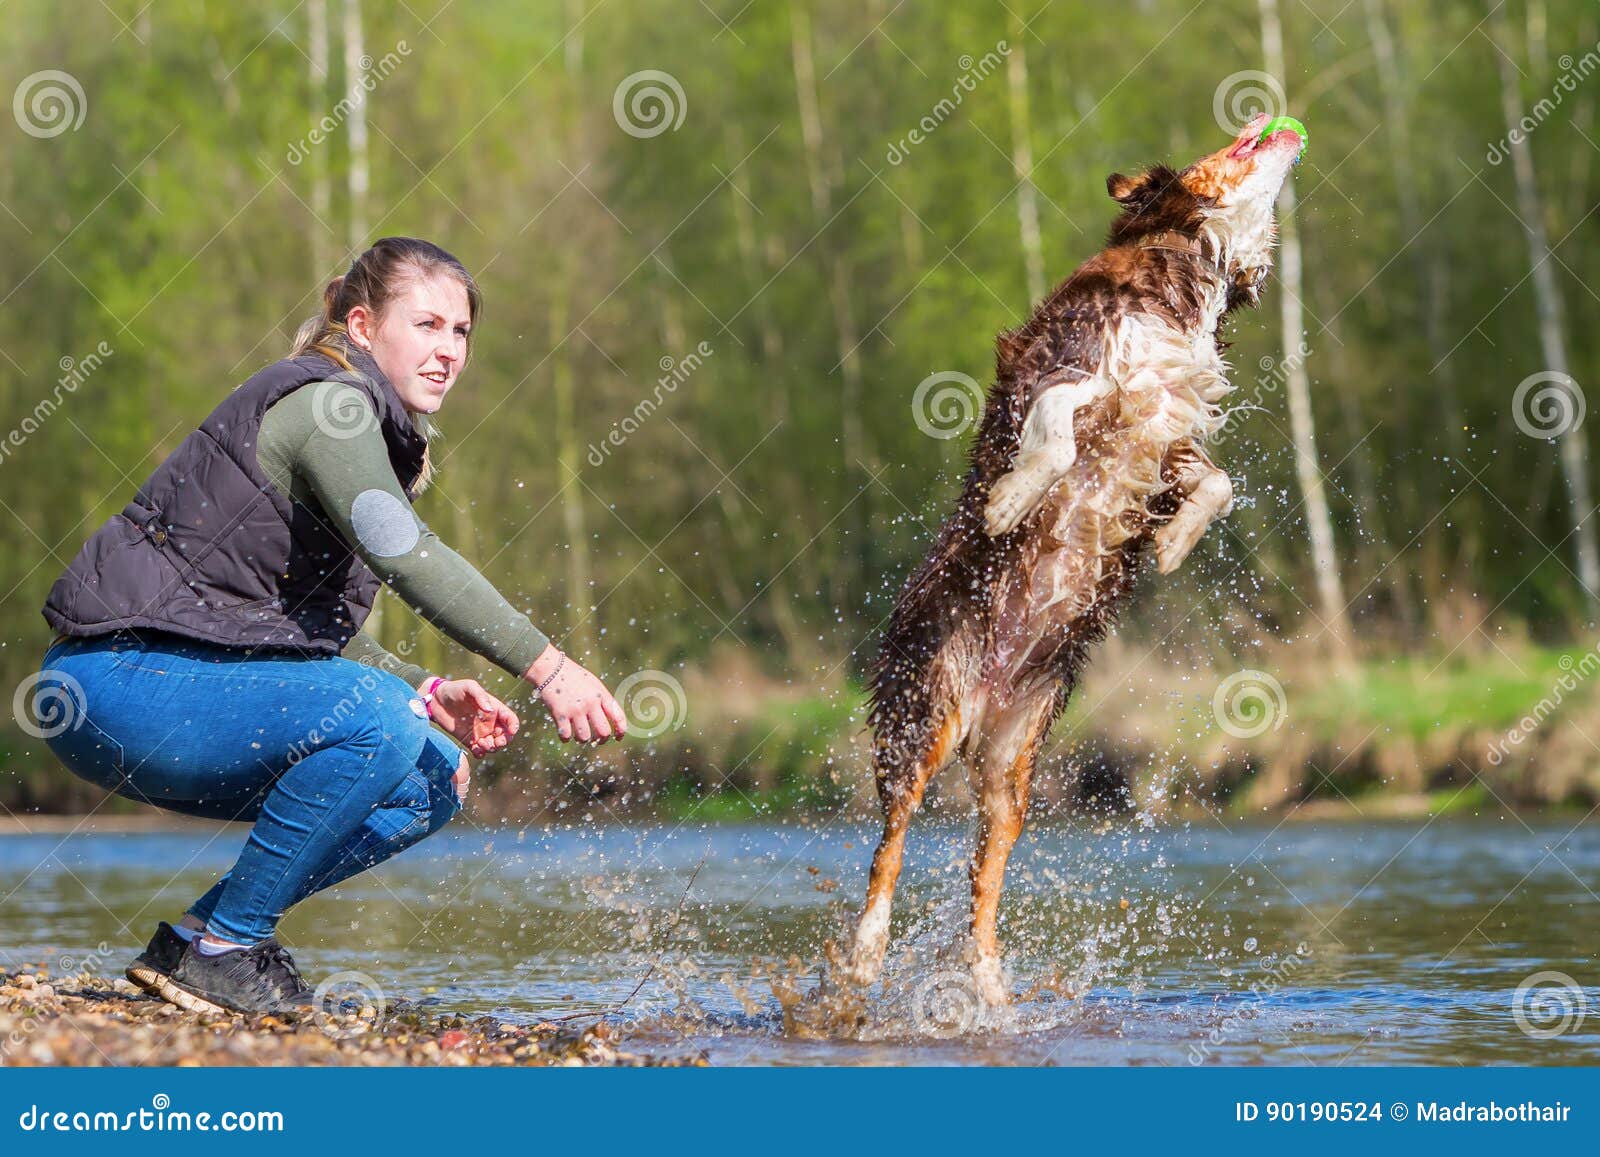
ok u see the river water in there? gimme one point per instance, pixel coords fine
(1463, 941)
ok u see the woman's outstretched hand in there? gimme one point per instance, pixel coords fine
(578, 703)
(478, 720)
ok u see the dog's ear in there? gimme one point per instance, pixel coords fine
(1125, 190)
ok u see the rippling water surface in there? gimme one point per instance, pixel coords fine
(1339, 943)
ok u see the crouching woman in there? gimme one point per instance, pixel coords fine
(209, 656)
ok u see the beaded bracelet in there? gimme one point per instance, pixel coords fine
(539, 687)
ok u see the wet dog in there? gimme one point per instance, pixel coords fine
(1090, 447)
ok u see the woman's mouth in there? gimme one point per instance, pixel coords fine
(437, 377)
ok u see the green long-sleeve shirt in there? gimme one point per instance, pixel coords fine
(338, 468)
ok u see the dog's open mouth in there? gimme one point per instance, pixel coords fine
(1255, 138)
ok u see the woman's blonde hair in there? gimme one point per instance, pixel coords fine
(375, 279)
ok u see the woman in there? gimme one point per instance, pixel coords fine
(209, 637)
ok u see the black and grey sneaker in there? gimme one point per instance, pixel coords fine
(261, 978)
(156, 963)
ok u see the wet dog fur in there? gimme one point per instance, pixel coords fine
(1090, 446)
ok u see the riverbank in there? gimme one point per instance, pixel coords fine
(92, 1021)
(1491, 726)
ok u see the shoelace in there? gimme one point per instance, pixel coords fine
(279, 955)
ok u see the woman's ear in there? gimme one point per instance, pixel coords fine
(359, 324)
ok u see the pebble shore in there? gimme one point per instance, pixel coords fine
(90, 1020)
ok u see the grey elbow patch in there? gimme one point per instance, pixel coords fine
(384, 524)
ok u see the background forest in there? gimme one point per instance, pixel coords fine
(744, 264)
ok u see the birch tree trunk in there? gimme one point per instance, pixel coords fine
(356, 123)
(805, 82)
(568, 456)
(317, 162)
(1552, 315)
(1319, 522)
(1431, 276)
(1022, 160)
(581, 638)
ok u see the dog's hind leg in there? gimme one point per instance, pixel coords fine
(1001, 772)
(902, 795)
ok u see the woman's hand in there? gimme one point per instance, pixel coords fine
(578, 703)
(478, 720)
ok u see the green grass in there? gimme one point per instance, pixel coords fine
(1458, 800)
(1410, 698)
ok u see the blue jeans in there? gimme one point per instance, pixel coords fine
(327, 757)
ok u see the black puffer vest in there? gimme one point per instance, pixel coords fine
(211, 550)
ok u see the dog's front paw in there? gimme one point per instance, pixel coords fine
(1175, 540)
(1009, 502)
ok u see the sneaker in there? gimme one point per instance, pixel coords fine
(261, 978)
(157, 962)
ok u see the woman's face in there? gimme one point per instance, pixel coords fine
(420, 339)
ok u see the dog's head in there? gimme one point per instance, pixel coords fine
(1223, 200)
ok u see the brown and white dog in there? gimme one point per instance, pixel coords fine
(1090, 446)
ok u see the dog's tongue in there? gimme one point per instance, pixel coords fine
(1277, 124)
